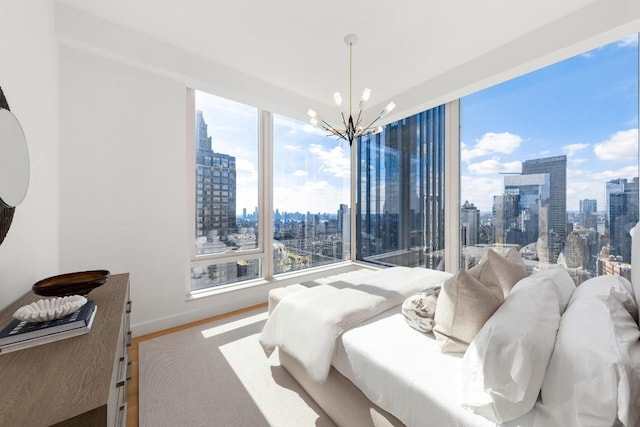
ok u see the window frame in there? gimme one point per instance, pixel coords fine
(265, 174)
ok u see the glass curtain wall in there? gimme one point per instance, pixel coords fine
(311, 196)
(549, 164)
(400, 216)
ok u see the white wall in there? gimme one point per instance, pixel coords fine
(123, 187)
(29, 79)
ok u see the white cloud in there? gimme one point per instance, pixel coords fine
(629, 41)
(622, 145)
(493, 166)
(572, 149)
(300, 172)
(293, 147)
(576, 172)
(578, 161)
(313, 196)
(471, 187)
(334, 160)
(607, 175)
(491, 142)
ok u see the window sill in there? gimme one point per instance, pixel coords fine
(282, 279)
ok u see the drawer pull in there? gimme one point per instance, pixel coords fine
(122, 369)
(128, 341)
(129, 371)
(128, 309)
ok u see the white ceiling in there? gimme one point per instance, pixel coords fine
(416, 52)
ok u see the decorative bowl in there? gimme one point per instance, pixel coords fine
(79, 283)
(49, 309)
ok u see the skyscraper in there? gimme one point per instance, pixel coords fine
(556, 167)
(623, 215)
(588, 208)
(344, 229)
(401, 191)
(470, 221)
(215, 187)
(521, 214)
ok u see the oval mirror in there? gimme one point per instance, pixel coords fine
(14, 160)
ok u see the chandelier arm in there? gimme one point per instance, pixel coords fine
(359, 119)
(344, 120)
(373, 122)
(331, 129)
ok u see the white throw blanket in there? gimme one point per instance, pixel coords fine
(307, 323)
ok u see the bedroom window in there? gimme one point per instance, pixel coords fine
(549, 164)
(311, 194)
(400, 217)
(226, 238)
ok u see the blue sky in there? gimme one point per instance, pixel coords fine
(585, 107)
(311, 171)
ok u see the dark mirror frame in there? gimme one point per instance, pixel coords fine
(6, 212)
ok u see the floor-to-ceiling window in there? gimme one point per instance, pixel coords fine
(549, 164)
(226, 234)
(311, 197)
(234, 148)
(400, 217)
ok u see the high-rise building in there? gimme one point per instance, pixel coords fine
(401, 192)
(623, 215)
(215, 187)
(470, 224)
(588, 208)
(612, 187)
(344, 230)
(521, 214)
(556, 167)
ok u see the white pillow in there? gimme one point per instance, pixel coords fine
(593, 377)
(610, 284)
(504, 366)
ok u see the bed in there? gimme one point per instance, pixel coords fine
(570, 356)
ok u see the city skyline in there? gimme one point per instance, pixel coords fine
(585, 107)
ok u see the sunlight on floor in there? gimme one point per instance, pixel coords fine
(216, 330)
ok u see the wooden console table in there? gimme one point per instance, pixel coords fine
(78, 381)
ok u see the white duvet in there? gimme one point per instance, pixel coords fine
(306, 324)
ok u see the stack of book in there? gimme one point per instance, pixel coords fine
(20, 334)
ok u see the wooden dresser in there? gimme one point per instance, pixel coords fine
(78, 381)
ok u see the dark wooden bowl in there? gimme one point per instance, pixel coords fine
(79, 283)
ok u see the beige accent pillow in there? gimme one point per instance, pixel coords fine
(464, 305)
(510, 269)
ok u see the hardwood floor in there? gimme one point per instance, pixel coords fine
(133, 386)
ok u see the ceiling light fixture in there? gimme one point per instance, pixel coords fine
(352, 128)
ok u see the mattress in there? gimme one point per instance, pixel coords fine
(403, 372)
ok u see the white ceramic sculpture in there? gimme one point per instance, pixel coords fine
(49, 309)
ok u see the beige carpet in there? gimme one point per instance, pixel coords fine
(218, 375)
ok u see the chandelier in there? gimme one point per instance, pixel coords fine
(352, 128)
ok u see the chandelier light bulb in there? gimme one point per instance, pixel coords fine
(366, 94)
(389, 108)
(312, 113)
(337, 98)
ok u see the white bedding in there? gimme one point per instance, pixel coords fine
(306, 324)
(402, 371)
